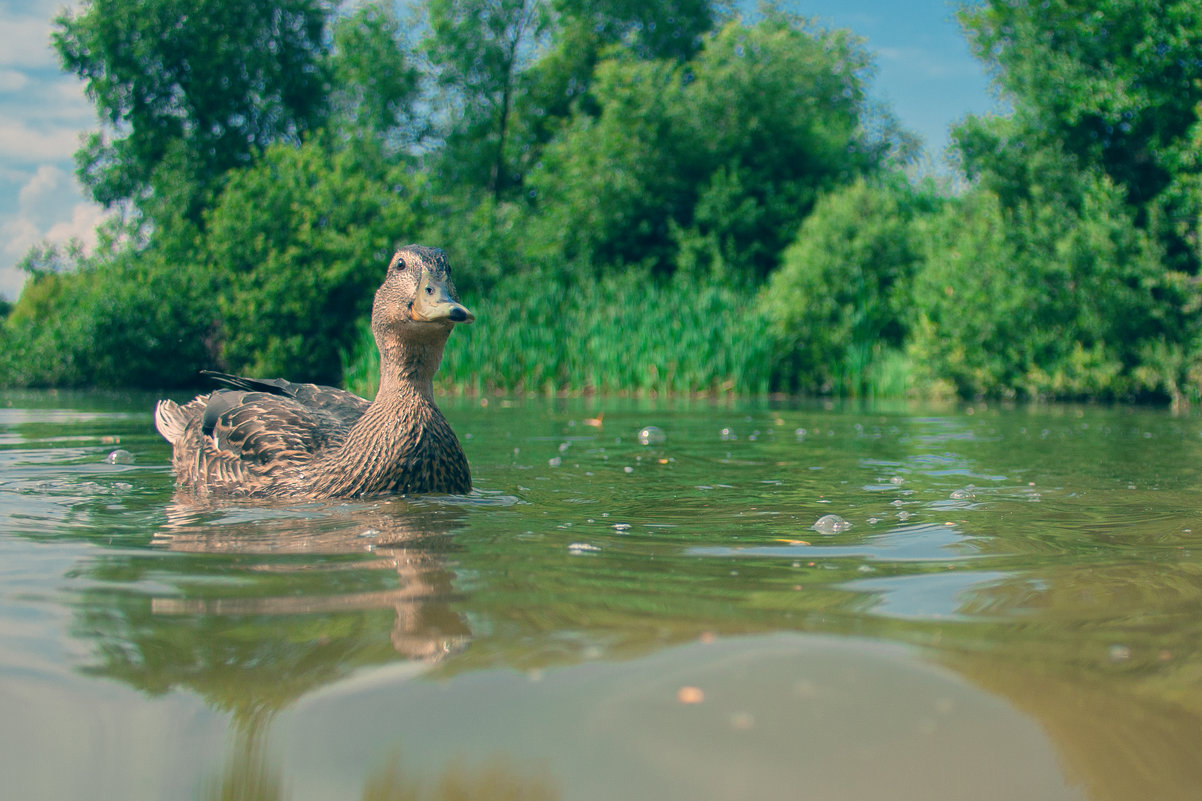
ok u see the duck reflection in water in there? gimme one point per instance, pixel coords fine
(411, 539)
(297, 543)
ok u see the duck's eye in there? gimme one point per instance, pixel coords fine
(429, 290)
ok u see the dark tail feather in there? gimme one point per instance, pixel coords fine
(274, 386)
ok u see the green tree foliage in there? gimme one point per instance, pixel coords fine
(300, 241)
(373, 82)
(707, 164)
(583, 33)
(510, 72)
(1115, 85)
(841, 301)
(120, 318)
(1043, 299)
(265, 263)
(479, 49)
(193, 86)
(672, 29)
(546, 77)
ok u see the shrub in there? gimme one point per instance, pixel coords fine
(839, 306)
(1049, 298)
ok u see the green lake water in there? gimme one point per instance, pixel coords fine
(1015, 611)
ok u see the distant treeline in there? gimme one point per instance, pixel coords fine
(636, 197)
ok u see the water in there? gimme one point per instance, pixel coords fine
(1014, 611)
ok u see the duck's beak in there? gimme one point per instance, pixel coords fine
(434, 303)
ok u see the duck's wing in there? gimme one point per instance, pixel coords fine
(345, 405)
(265, 429)
(245, 441)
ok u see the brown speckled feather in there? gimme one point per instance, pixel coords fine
(257, 441)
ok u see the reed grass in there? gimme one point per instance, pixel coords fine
(622, 334)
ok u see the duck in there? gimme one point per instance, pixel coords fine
(272, 438)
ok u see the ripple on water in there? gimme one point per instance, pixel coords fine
(927, 596)
(913, 543)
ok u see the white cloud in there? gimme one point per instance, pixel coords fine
(85, 218)
(60, 98)
(20, 234)
(44, 193)
(50, 208)
(13, 80)
(25, 41)
(20, 142)
(43, 114)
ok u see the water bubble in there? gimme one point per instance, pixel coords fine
(963, 494)
(727, 434)
(800, 433)
(122, 486)
(628, 469)
(652, 435)
(582, 547)
(621, 527)
(555, 461)
(563, 447)
(897, 481)
(120, 456)
(903, 515)
(830, 524)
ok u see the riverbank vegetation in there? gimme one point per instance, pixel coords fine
(651, 198)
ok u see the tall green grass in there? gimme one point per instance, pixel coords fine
(622, 334)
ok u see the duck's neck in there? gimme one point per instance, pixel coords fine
(407, 370)
(393, 427)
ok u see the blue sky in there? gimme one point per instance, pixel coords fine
(924, 68)
(925, 72)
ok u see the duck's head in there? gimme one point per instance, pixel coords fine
(417, 301)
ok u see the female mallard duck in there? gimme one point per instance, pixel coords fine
(273, 438)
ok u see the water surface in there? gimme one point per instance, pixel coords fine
(1014, 612)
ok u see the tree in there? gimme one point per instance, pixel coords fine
(841, 300)
(373, 84)
(672, 29)
(478, 49)
(710, 163)
(1115, 86)
(190, 86)
(119, 318)
(510, 72)
(1044, 299)
(297, 244)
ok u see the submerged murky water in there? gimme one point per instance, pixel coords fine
(996, 604)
